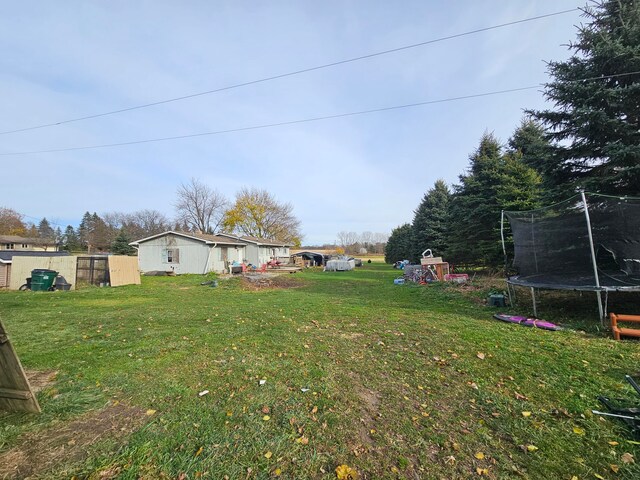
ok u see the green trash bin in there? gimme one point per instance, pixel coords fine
(42, 279)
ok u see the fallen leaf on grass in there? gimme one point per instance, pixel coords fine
(266, 418)
(614, 468)
(345, 472)
(268, 455)
(277, 472)
(627, 458)
(613, 444)
(151, 412)
(578, 430)
(479, 455)
(200, 450)
(314, 409)
(480, 355)
(531, 448)
(526, 414)
(519, 396)
(303, 440)
(482, 471)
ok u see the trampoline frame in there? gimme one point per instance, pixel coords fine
(598, 288)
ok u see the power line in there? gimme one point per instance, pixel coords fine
(270, 125)
(312, 119)
(289, 74)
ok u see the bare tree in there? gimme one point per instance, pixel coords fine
(200, 206)
(140, 224)
(346, 239)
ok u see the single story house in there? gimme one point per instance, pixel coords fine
(260, 250)
(186, 252)
(6, 260)
(14, 242)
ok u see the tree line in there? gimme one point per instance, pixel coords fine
(361, 243)
(198, 208)
(589, 140)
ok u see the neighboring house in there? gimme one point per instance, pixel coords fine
(14, 242)
(260, 250)
(186, 252)
(6, 260)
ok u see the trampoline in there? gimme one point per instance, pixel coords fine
(589, 242)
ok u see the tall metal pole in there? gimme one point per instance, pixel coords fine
(504, 251)
(593, 256)
(504, 248)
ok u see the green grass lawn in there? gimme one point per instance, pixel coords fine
(403, 382)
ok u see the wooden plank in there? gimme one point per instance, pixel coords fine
(22, 265)
(13, 381)
(123, 270)
(18, 394)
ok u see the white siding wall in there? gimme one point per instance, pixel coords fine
(233, 254)
(192, 258)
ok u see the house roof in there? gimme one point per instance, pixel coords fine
(202, 237)
(257, 241)
(6, 256)
(26, 240)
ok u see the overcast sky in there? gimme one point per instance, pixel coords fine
(68, 59)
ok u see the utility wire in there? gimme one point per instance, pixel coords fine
(270, 125)
(289, 74)
(312, 119)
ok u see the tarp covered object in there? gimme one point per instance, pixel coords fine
(339, 265)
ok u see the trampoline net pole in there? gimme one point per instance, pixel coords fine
(533, 299)
(593, 257)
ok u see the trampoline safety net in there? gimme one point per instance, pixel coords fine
(552, 248)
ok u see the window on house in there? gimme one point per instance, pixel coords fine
(171, 255)
(24, 245)
(9, 246)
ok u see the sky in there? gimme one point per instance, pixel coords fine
(64, 60)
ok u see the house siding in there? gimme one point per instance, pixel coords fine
(193, 255)
(5, 271)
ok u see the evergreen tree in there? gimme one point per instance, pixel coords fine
(70, 240)
(85, 230)
(120, 245)
(495, 181)
(399, 244)
(429, 227)
(45, 230)
(594, 124)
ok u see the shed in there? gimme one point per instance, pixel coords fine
(186, 252)
(310, 258)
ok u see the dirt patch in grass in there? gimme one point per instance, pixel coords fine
(369, 410)
(259, 282)
(68, 443)
(40, 379)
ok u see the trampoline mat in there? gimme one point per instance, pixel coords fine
(608, 282)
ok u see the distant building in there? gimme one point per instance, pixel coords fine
(16, 243)
(186, 252)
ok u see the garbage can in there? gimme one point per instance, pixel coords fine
(42, 279)
(61, 283)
